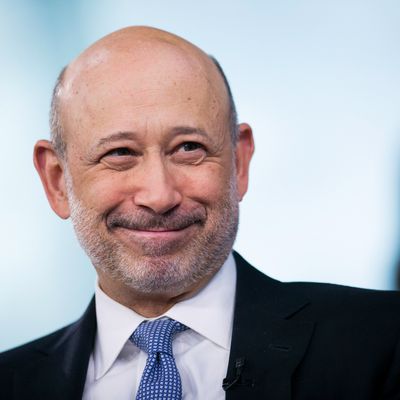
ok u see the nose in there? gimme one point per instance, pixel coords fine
(156, 188)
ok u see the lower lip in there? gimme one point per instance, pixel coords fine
(164, 236)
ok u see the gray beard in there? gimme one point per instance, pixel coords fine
(153, 273)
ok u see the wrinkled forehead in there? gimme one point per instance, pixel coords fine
(142, 76)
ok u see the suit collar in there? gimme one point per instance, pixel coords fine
(269, 334)
(60, 371)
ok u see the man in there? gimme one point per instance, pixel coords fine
(149, 162)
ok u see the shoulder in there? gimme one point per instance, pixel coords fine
(34, 350)
(355, 303)
(318, 299)
(57, 341)
(29, 356)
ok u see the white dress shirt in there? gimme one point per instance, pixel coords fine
(201, 352)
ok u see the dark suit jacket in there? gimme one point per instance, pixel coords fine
(302, 341)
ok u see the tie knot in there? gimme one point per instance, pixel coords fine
(156, 336)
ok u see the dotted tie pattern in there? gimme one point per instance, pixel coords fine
(160, 379)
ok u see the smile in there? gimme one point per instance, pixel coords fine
(156, 235)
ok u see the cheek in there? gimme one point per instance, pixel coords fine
(100, 193)
(206, 183)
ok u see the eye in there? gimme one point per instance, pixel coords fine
(189, 153)
(120, 158)
(191, 146)
(121, 151)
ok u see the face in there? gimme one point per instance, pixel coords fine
(151, 175)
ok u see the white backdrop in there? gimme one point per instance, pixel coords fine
(319, 81)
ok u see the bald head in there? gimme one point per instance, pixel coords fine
(152, 57)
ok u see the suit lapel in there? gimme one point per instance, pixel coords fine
(61, 371)
(268, 343)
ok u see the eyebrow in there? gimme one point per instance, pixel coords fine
(178, 130)
(114, 137)
(187, 130)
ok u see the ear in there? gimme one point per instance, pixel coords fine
(51, 172)
(244, 152)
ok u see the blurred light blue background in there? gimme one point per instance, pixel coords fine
(319, 81)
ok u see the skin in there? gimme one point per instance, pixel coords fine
(150, 173)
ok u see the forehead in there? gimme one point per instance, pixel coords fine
(150, 83)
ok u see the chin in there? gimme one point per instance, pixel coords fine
(159, 274)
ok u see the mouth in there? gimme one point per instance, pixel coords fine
(157, 233)
(156, 241)
(154, 233)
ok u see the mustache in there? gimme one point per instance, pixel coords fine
(144, 221)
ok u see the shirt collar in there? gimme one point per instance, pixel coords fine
(115, 324)
(209, 313)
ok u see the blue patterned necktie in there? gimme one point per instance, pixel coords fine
(160, 379)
